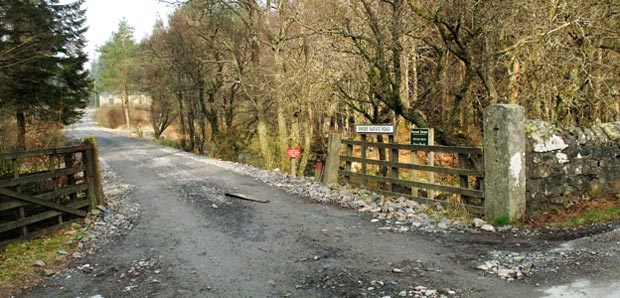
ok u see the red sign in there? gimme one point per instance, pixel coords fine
(294, 152)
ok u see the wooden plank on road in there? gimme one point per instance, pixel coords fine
(245, 197)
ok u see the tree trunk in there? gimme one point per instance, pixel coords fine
(202, 121)
(263, 138)
(308, 136)
(283, 138)
(20, 116)
(295, 137)
(155, 120)
(126, 109)
(190, 125)
(382, 156)
(514, 81)
(126, 101)
(182, 118)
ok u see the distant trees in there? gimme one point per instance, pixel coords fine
(116, 63)
(41, 62)
(157, 78)
(261, 76)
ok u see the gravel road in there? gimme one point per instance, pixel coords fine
(191, 240)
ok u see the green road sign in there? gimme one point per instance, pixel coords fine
(419, 136)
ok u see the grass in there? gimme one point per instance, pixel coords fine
(17, 268)
(601, 210)
(167, 143)
(456, 209)
(593, 216)
(502, 220)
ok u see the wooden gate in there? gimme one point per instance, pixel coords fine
(433, 174)
(44, 188)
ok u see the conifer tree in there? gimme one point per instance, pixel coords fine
(42, 71)
(118, 56)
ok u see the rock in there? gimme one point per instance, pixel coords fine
(487, 227)
(214, 206)
(488, 265)
(483, 267)
(96, 296)
(444, 224)
(447, 292)
(86, 268)
(478, 223)
(39, 263)
(507, 273)
(505, 228)
(48, 272)
(397, 270)
(402, 294)
(62, 252)
(77, 255)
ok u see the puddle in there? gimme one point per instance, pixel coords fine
(584, 288)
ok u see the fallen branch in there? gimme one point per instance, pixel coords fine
(245, 197)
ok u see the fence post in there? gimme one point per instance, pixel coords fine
(333, 159)
(93, 160)
(430, 194)
(364, 157)
(504, 162)
(347, 165)
(394, 160)
(464, 163)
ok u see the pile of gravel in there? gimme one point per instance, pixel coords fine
(107, 222)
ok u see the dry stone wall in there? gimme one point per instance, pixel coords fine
(568, 165)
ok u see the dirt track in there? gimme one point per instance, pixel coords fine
(192, 241)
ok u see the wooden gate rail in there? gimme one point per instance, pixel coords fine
(38, 186)
(443, 149)
(407, 166)
(464, 171)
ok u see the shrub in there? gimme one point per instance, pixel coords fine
(110, 116)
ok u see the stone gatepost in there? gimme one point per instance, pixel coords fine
(333, 159)
(504, 162)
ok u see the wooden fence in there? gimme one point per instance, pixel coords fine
(464, 179)
(45, 188)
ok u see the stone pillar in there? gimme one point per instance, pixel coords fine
(333, 159)
(504, 162)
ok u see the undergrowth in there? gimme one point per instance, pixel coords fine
(17, 260)
(114, 116)
(593, 216)
(601, 210)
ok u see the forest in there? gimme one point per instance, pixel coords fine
(237, 77)
(43, 80)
